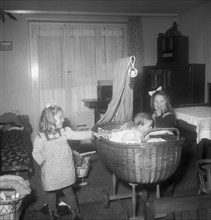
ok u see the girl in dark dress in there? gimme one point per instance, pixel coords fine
(163, 112)
(164, 117)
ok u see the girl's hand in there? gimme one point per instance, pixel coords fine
(158, 110)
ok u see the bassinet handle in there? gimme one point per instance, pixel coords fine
(162, 130)
(8, 191)
(8, 188)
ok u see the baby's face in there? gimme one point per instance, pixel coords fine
(147, 125)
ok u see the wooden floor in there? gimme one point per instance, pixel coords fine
(90, 196)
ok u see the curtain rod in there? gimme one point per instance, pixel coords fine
(91, 13)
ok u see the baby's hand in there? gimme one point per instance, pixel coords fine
(97, 135)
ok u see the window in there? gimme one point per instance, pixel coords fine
(67, 60)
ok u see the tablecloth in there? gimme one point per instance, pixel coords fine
(199, 116)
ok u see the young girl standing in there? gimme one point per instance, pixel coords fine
(52, 152)
(163, 113)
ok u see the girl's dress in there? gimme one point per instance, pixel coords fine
(166, 120)
(53, 153)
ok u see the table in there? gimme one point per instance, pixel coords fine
(198, 119)
(199, 116)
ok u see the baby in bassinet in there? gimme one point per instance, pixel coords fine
(142, 121)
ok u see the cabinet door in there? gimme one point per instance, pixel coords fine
(184, 83)
(174, 79)
(197, 80)
(178, 85)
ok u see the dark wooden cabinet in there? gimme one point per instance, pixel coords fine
(172, 49)
(197, 81)
(209, 94)
(185, 84)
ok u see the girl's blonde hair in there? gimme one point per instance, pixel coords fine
(166, 97)
(47, 121)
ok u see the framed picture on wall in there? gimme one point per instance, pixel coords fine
(5, 45)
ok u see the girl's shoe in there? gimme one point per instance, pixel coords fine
(63, 209)
(45, 209)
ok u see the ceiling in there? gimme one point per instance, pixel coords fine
(103, 6)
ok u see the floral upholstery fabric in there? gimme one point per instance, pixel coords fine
(15, 148)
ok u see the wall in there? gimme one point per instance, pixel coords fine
(196, 24)
(151, 27)
(15, 86)
(15, 76)
(1, 104)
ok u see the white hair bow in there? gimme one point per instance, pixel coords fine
(154, 91)
(132, 72)
(51, 104)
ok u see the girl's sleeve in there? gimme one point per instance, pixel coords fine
(37, 150)
(78, 135)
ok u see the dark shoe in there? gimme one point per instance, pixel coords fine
(45, 209)
(63, 210)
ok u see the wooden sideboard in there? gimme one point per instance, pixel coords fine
(184, 83)
(99, 106)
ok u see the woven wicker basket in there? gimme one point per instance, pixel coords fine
(140, 163)
(11, 209)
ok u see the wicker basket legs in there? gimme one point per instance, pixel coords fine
(133, 198)
(106, 198)
(204, 173)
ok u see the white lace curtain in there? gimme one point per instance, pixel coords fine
(67, 60)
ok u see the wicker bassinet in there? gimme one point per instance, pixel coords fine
(139, 163)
